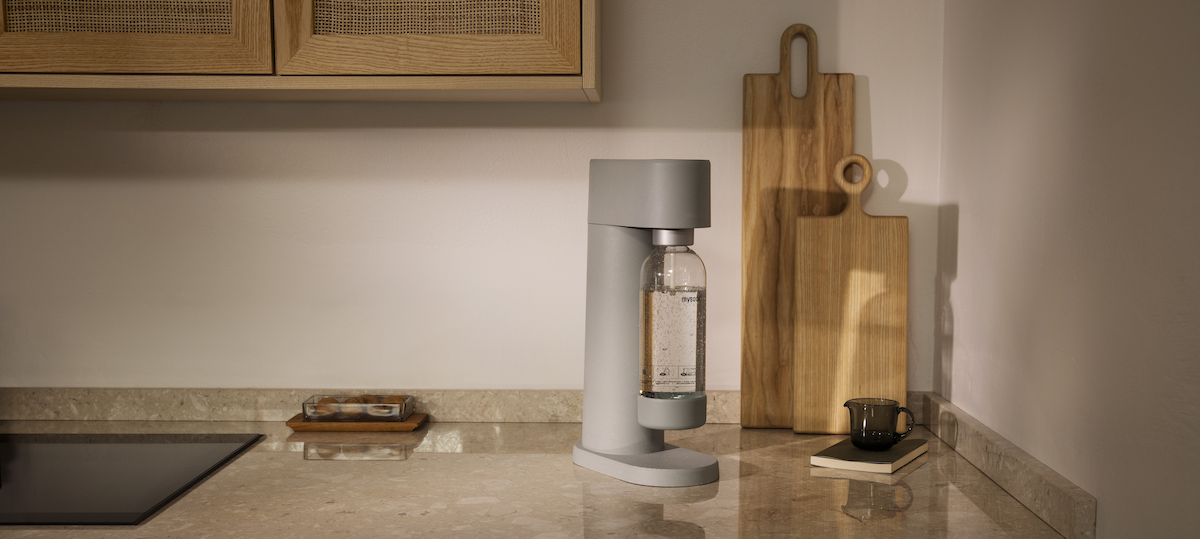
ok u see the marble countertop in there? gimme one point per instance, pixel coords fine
(517, 480)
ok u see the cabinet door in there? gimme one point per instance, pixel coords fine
(135, 36)
(427, 37)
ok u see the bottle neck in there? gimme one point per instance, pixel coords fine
(672, 236)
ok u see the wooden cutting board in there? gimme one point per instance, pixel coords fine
(851, 310)
(789, 146)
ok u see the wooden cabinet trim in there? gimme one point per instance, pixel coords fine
(590, 49)
(293, 88)
(554, 52)
(293, 27)
(581, 87)
(246, 51)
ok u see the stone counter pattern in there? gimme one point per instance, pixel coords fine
(502, 480)
(136, 404)
(1066, 507)
(105, 404)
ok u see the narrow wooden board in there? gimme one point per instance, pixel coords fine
(298, 424)
(851, 310)
(789, 145)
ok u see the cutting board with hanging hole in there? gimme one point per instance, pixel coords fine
(789, 146)
(850, 309)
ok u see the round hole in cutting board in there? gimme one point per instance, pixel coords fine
(799, 54)
(853, 173)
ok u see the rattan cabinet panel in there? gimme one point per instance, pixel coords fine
(324, 50)
(427, 37)
(135, 36)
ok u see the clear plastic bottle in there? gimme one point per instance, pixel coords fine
(672, 325)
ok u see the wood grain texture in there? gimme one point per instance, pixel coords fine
(556, 51)
(292, 88)
(293, 27)
(293, 21)
(246, 51)
(789, 146)
(298, 424)
(590, 30)
(851, 309)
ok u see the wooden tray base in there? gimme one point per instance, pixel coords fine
(298, 424)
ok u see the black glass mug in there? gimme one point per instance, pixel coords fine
(873, 423)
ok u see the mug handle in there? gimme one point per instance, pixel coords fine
(911, 422)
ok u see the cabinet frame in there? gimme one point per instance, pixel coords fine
(555, 51)
(247, 50)
(584, 87)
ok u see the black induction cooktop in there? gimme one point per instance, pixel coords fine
(104, 478)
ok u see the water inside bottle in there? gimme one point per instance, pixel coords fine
(672, 342)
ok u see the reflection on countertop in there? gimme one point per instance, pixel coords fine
(517, 480)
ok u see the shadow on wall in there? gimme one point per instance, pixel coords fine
(943, 321)
(882, 198)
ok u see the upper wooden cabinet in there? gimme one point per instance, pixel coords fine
(439, 37)
(135, 36)
(409, 50)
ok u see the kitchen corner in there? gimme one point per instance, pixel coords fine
(192, 246)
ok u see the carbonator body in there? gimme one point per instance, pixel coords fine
(641, 215)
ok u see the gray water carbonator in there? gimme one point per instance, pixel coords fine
(643, 213)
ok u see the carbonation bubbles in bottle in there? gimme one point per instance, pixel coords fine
(672, 323)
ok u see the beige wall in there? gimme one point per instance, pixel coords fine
(415, 245)
(1069, 262)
